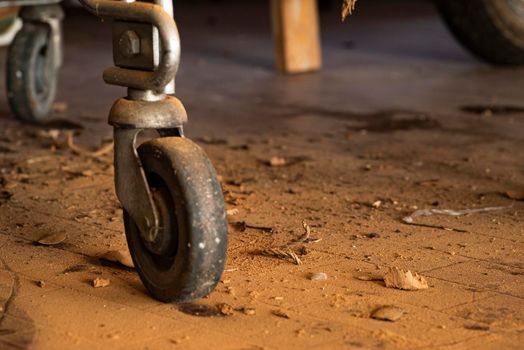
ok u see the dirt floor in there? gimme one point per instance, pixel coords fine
(400, 119)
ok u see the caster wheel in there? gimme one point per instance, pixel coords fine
(31, 73)
(491, 29)
(187, 258)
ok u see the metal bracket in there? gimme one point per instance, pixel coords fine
(130, 117)
(155, 15)
(131, 184)
(146, 54)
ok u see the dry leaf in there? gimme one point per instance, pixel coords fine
(119, 256)
(516, 195)
(101, 282)
(53, 238)
(405, 280)
(387, 313)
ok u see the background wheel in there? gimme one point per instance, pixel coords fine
(491, 29)
(31, 73)
(186, 261)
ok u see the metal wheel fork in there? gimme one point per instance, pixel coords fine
(146, 53)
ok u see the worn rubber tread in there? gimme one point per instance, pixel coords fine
(25, 103)
(484, 30)
(201, 221)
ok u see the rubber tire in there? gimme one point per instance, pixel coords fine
(488, 28)
(199, 209)
(24, 65)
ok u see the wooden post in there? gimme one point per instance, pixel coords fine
(296, 32)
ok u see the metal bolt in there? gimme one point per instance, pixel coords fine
(129, 44)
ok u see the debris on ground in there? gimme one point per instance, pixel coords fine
(52, 239)
(277, 161)
(410, 220)
(101, 282)
(516, 195)
(348, 6)
(41, 284)
(280, 313)
(282, 254)
(306, 237)
(225, 309)
(122, 257)
(242, 226)
(288, 161)
(102, 151)
(405, 280)
(318, 276)
(387, 313)
(376, 204)
(430, 212)
(477, 327)
(370, 278)
(232, 212)
(249, 311)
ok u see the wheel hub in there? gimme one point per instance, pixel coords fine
(166, 241)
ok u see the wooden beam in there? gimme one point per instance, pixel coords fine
(296, 32)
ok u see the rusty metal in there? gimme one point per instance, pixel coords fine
(168, 113)
(146, 52)
(141, 12)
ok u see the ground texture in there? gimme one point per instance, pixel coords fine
(400, 119)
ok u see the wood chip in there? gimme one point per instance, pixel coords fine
(52, 239)
(318, 276)
(280, 313)
(348, 6)
(101, 282)
(387, 313)
(249, 311)
(405, 280)
(516, 195)
(225, 309)
(277, 161)
(121, 257)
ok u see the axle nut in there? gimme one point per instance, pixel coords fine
(129, 44)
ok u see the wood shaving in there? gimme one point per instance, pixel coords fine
(52, 239)
(280, 313)
(282, 254)
(70, 142)
(388, 313)
(405, 280)
(348, 6)
(121, 257)
(101, 282)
